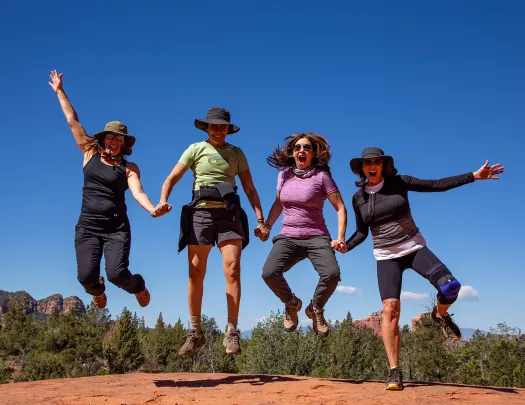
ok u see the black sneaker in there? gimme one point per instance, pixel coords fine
(194, 340)
(232, 341)
(449, 327)
(394, 382)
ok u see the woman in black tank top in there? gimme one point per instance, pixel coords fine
(103, 226)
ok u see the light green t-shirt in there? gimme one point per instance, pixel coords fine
(211, 165)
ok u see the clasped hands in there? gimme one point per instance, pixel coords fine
(161, 209)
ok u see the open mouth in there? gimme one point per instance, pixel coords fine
(302, 159)
(372, 173)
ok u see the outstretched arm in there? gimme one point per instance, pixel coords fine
(135, 186)
(485, 172)
(79, 133)
(273, 215)
(339, 205)
(172, 179)
(361, 231)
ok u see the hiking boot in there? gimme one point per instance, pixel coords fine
(449, 327)
(232, 341)
(194, 340)
(291, 320)
(319, 323)
(394, 382)
(143, 297)
(100, 301)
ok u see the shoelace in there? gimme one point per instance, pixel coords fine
(320, 316)
(233, 337)
(193, 336)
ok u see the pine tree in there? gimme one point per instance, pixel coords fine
(122, 345)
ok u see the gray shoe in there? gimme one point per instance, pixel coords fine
(232, 341)
(291, 320)
(318, 322)
(194, 340)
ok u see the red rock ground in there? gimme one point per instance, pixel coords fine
(222, 389)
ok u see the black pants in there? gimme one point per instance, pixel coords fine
(115, 243)
(423, 261)
(286, 252)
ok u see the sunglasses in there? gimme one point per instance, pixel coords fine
(376, 162)
(306, 148)
(113, 136)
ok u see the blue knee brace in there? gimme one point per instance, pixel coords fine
(446, 284)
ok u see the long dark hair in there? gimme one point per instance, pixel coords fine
(282, 157)
(388, 170)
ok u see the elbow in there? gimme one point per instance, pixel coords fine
(71, 119)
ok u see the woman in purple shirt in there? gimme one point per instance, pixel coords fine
(303, 184)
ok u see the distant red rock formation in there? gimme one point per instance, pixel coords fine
(47, 306)
(373, 321)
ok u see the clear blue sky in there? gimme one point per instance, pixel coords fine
(438, 85)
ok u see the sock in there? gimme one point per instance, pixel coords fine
(391, 368)
(195, 323)
(232, 323)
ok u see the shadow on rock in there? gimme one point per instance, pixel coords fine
(234, 379)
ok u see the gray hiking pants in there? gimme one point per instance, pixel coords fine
(286, 252)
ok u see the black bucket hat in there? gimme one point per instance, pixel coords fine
(216, 115)
(370, 153)
(117, 128)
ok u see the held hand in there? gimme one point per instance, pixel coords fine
(339, 245)
(56, 81)
(262, 231)
(161, 209)
(487, 172)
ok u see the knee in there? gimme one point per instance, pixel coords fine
(232, 270)
(88, 278)
(332, 275)
(448, 290)
(113, 277)
(391, 309)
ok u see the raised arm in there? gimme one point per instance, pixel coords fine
(361, 230)
(485, 172)
(79, 133)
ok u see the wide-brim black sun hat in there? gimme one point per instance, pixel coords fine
(370, 153)
(117, 128)
(216, 115)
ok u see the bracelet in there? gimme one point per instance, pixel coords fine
(260, 220)
(269, 227)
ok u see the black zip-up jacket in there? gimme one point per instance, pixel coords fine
(387, 212)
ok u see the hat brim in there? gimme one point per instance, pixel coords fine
(357, 163)
(130, 139)
(203, 125)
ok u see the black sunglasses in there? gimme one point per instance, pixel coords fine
(306, 148)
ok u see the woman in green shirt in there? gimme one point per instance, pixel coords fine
(214, 217)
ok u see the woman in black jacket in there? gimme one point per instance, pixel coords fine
(381, 205)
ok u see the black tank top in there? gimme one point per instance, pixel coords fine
(103, 197)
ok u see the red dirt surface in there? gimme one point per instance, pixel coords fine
(228, 389)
